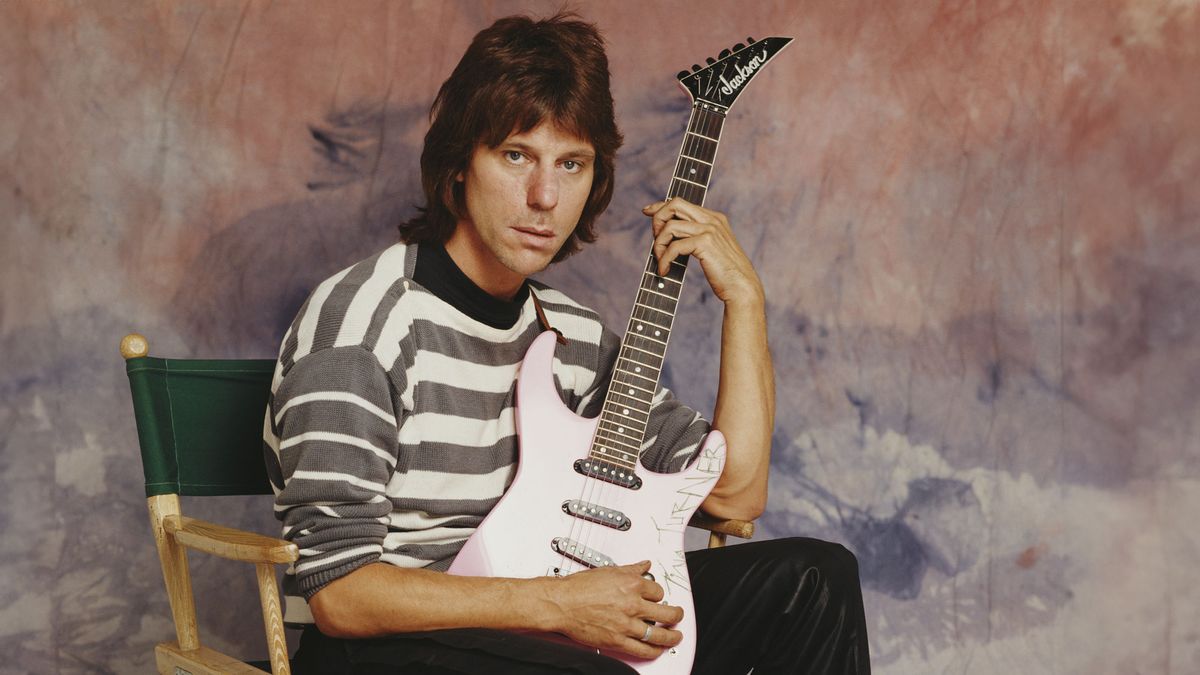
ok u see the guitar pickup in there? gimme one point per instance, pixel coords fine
(580, 553)
(609, 473)
(596, 514)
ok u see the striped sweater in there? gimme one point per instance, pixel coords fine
(390, 431)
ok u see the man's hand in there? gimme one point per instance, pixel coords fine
(609, 607)
(682, 228)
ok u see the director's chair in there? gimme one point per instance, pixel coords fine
(200, 428)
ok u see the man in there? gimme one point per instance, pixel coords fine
(390, 430)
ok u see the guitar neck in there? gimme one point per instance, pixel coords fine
(621, 432)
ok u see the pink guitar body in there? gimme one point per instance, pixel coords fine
(517, 537)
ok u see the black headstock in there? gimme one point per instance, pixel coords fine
(725, 77)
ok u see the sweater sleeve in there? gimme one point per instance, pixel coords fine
(673, 431)
(336, 414)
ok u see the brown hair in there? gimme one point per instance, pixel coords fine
(515, 75)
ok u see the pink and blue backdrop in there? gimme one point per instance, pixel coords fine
(978, 225)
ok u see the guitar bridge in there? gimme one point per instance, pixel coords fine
(596, 514)
(580, 553)
(609, 473)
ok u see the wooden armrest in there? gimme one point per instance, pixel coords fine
(743, 529)
(228, 542)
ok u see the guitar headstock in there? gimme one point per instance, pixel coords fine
(725, 77)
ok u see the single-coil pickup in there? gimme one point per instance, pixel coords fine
(580, 553)
(596, 514)
(609, 473)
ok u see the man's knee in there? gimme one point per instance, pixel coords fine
(830, 564)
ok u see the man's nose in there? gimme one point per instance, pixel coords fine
(542, 194)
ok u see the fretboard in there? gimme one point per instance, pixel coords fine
(623, 419)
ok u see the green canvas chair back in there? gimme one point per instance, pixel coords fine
(200, 428)
(200, 424)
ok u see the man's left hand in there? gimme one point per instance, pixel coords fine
(683, 228)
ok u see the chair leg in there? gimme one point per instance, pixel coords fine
(268, 593)
(175, 571)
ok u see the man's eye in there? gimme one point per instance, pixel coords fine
(571, 166)
(513, 156)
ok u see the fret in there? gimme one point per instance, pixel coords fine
(652, 316)
(622, 445)
(625, 460)
(691, 193)
(621, 375)
(629, 420)
(647, 323)
(624, 428)
(714, 140)
(636, 370)
(665, 304)
(639, 350)
(643, 357)
(695, 145)
(617, 454)
(626, 377)
(627, 413)
(647, 344)
(694, 170)
(638, 366)
(675, 271)
(631, 389)
(674, 298)
(691, 182)
(653, 280)
(641, 405)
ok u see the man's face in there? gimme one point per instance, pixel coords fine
(523, 199)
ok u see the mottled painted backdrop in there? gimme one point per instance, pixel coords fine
(978, 224)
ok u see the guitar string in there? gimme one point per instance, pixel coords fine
(611, 496)
(608, 497)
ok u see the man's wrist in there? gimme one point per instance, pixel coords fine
(751, 298)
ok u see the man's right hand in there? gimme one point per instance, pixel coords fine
(610, 608)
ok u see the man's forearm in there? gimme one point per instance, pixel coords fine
(745, 410)
(607, 607)
(382, 599)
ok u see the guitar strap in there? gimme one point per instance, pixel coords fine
(541, 315)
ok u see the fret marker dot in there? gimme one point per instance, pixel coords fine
(637, 369)
(692, 170)
(625, 411)
(639, 326)
(657, 333)
(661, 284)
(621, 429)
(631, 391)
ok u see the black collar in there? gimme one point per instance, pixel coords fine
(437, 272)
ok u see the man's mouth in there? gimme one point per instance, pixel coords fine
(537, 232)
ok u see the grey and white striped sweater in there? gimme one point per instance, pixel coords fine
(390, 432)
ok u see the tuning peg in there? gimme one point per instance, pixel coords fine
(682, 74)
(749, 40)
(695, 67)
(710, 60)
(739, 47)
(723, 54)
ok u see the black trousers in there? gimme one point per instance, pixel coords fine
(780, 606)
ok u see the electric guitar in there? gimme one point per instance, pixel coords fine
(580, 498)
